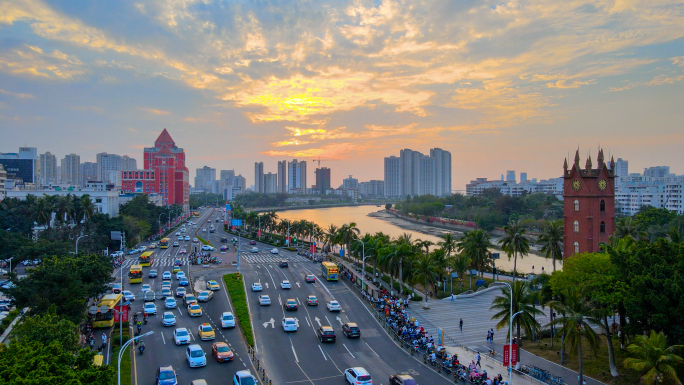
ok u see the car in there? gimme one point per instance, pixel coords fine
(176, 244)
(217, 220)
(289, 324)
(195, 240)
(227, 320)
(205, 296)
(212, 285)
(224, 248)
(206, 332)
(142, 248)
(310, 278)
(244, 377)
(183, 281)
(351, 330)
(224, 240)
(166, 376)
(168, 319)
(175, 269)
(195, 356)
(116, 288)
(290, 304)
(312, 300)
(264, 300)
(208, 248)
(166, 285)
(212, 231)
(178, 233)
(150, 308)
(194, 310)
(252, 242)
(179, 275)
(170, 303)
(357, 375)
(402, 379)
(133, 251)
(145, 287)
(334, 306)
(254, 250)
(189, 299)
(256, 286)
(186, 238)
(166, 292)
(283, 263)
(149, 296)
(285, 285)
(153, 245)
(221, 351)
(183, 251)
(180, 292)
(166, 275)
(128, 295)
(326, 334)
(208, 220)
(8, 285)
(181, 336)
(152, 274)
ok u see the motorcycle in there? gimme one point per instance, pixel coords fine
(141, 348)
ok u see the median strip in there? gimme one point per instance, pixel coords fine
(238, 297)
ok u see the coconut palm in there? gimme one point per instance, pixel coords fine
(475, 245)
(575, 315)
(460, 265)
(64, 208)
(388, 261)
(85, 210)
(674, 235)
(448, 243)
(626, 226)
(655, 361)
(523, 301)
(514, 243)
(425, 272)
(551, 240)
(43, 212)
(348, 232)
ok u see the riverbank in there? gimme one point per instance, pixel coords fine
(309, 207)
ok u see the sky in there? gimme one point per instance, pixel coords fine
(503, 85)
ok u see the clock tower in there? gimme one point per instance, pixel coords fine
(588, 205)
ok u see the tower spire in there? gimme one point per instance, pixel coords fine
(588, 164)
(577, 158)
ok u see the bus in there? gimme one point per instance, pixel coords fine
(105, 318)
(135, 274)
(196, 214)
(329, 271)
(164, 243)
(146, 258)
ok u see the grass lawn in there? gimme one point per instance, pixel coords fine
(238, 297)
(126, 365)
(594, 366)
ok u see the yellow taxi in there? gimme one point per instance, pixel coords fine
(206, 332)
(212, 285)
(176, 269)
(194, 310)
(153, 246)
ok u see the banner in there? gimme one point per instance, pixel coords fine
(506, 355)
(514, 354)
(440, 337)
(313, 248)
(124, 312)
(259, 233)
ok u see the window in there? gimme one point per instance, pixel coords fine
(576, 205)
(603, 205)
(98, 200)
(576, 247)
(603, 226)
(576, 227)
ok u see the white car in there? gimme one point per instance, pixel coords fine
(181, 336)
(170, 303)
(289, 324)
(142, 248)
(334, 306)
(207, 248)
(285, 285)
(227, 320)
(357, 375)
(168, 319)
(180, 274)
(166, 275)
(150, 308)
(195, 356)
(178, 234)
(256, 286)
(264, 300)
(128, 295)
(205, 296)
(274, 251)
(145, 288)
(195, 240)
(254, 250)
(186, 238)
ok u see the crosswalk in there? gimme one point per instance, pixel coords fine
(270, 258)
(158, 262)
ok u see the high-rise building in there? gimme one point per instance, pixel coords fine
(270, 183)
(588, 205)
(21, 166)
(510, 176)
(350, 183)
(88, 172)
(523, 177)
(204, 178)
(3, 178)
(165, 173)
(657, 171)
(372, 188)
(296, 177)
(128, 163)
(322, 180)
(71, 168)
(48, 169)
(393, 173)
(621, 168)
(105, 164)
(426, 175)
(442, 171)
(259, 177)
(236, 186)
(282, 176)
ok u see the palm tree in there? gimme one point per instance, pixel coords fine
(448, 243)
(626, 226)
(348, 232)
(63, 208)
(523, 301)
(551, 240)
(331, 234)
(389, 262)
(656, 361)
(460, 265)
(43, 212)
(425, 271)
(86, 209)
(674, 235)
(514, 243)
(475, 245)
(576, 313)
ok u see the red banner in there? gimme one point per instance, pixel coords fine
(124, 312)
(506, 355)
(232, 227)
(514, 354)
(313, 248)
(259, 233)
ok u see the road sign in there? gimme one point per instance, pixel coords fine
(494, 256)
(116, 235)
(228, 208)
(236, 222)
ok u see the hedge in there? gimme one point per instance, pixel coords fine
(238, 297)
(204, 242)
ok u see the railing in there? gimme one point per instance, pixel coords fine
(260, 371)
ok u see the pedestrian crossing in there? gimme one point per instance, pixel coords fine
(158, 262)
(271, 258)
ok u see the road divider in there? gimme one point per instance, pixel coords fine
(238, 297)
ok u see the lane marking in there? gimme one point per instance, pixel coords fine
(372, 350)
(321, 349)
(307, 320)
(163, 339)
(295, 353)
(350, 353)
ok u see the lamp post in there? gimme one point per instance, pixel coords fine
(123, 348)
(510, 332)
(363, 261)
(78, 239)
(159, 220)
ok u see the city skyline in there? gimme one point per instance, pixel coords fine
(500, 86)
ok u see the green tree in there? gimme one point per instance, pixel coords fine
(523, 301)
(425, 271)
(448, 243)
(654, 360)
(47, 328)
(460, 265)
(475, 245)
(551, 240)
(514, 243)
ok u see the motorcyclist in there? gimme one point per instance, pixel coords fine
(141, 346)
(139, 326)
(135, 318)
(145, 318)
(433, 357)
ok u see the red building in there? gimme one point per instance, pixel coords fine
(165, 173)
(588, 205)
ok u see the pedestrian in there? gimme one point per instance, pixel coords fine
(460, 324)
(478, 360)
(488, 335)
(452, 297)
(491, 335)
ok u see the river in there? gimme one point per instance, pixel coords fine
(359, 214)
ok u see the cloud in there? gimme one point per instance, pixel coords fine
(679, 60)
(656, 81)
(569, 84)
(154, 111)
(17, 94)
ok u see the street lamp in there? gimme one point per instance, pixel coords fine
(78, 239)
(510, 332)
(123, 348)
(363, 261)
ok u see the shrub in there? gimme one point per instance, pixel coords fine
(238, 297)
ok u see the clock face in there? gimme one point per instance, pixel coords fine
(576, 184)
(602, 184)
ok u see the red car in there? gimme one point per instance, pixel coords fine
(221, 351)
(252, 242)
(310, 278)
(224, 248)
